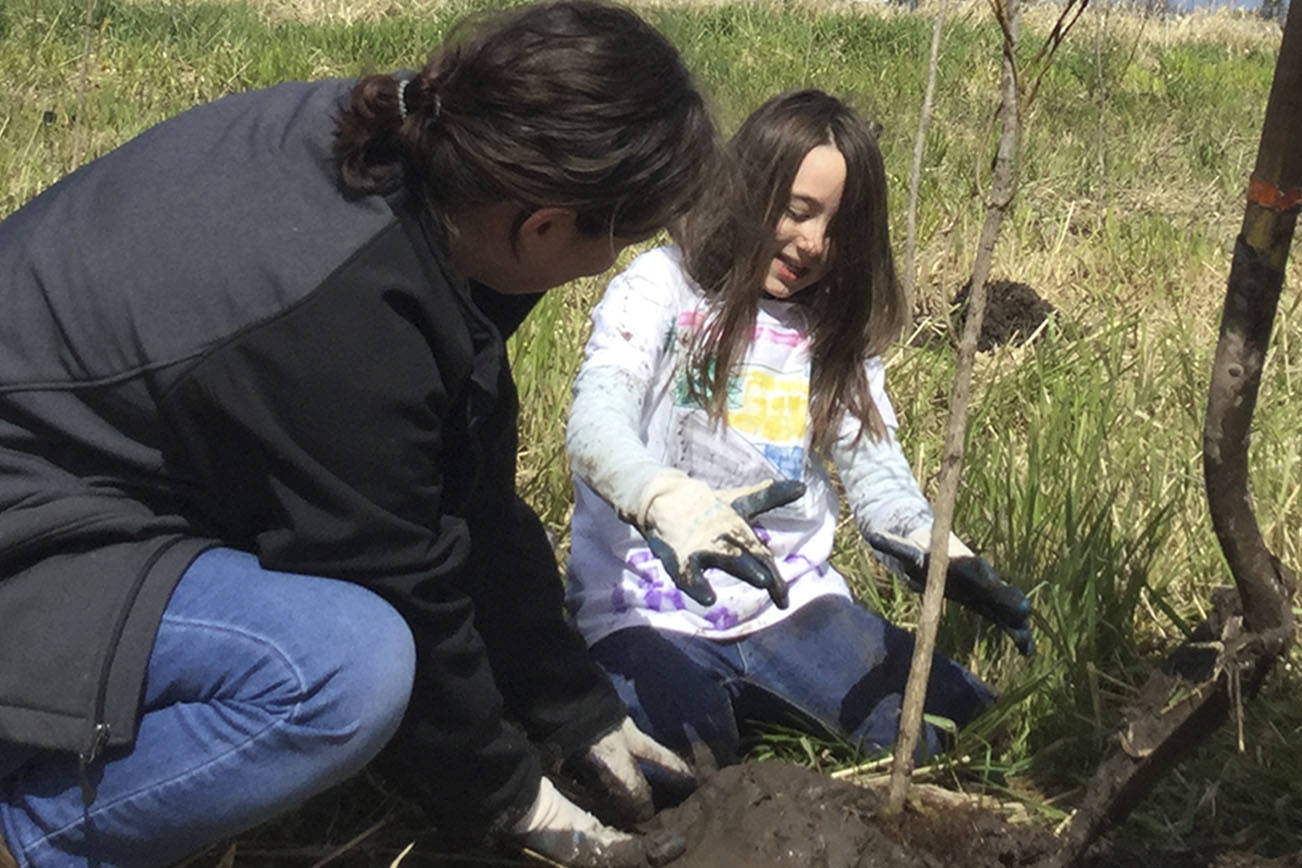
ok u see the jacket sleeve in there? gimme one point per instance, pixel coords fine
(550, 683)
(334, 440)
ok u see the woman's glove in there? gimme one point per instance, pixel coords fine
(691, 527)
(563, 832)
(613, 762)
(969, 581)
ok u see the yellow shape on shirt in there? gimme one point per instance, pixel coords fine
(773, 409)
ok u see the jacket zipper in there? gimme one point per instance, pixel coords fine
(99, 734)
(100, 729)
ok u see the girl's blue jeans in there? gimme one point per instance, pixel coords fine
(831, 667)
(263, 688)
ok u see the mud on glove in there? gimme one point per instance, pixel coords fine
(970, 581)
(613, 760)
(691, 527)
(563, 832)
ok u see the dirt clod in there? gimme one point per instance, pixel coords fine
(778, 815)
(1014, 311)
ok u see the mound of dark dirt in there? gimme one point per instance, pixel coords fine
(1013, 313)
(778, 815)
(755, 815)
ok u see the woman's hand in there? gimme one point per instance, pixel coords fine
(561, 831)
(613, 761)
(691, 527)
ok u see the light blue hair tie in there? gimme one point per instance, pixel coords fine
(402, 97)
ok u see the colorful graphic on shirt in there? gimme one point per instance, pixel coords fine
(768, 400)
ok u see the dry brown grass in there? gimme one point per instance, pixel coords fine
(1243, 31)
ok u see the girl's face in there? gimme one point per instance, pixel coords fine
(804, 252)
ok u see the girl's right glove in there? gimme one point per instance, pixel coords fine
(691, 527)
(969, 581)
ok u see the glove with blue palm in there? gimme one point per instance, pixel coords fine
(970, 581)
(691, 527)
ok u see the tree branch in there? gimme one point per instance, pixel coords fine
(1003, 186)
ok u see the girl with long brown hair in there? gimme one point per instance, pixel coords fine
(721, 374)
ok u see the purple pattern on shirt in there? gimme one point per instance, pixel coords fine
(721, 618)
(796, 558)
(654, 593)
(643, 563)
(661, 599)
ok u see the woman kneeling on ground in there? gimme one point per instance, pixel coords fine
(720, 374)
(258, 439)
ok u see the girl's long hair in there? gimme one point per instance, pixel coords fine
(855, 311)
(576, 103)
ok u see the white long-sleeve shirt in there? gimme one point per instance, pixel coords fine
(632, 417)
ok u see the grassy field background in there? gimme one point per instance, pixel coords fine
(1083, 474)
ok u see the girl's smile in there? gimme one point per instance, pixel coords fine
(787, 272)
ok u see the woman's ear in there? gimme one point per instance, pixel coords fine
(544, 232)
(549, 249)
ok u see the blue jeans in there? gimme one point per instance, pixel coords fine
(263, 688)
(831, 667)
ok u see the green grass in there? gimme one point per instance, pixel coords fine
(1082, 480)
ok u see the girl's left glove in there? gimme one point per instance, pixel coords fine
(969, 581)
(613, 761)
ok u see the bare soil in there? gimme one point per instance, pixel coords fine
(754, 815)
(778, 815)
(1014, 313)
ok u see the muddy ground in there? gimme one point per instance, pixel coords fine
(778, 815)
(754, 815)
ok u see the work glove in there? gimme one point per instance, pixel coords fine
(969, 581)
(613, 762)
(691, 527)
(563, 832)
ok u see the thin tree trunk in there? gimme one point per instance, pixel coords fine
(1003, 186)
(87, 44)
(1251, 297)
(1231, 654)
(915, 174)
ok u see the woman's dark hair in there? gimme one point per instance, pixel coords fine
(855, 310)
(576, 104)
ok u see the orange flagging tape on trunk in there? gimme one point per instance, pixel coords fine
(1267, 195)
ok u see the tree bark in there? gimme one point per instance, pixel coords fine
(1230, 655)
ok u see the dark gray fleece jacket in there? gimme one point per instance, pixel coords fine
(203, 342)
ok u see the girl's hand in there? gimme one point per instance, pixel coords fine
(691, 527)
(969, 581)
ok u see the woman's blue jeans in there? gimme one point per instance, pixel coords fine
(263, 688)
(831, 667)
